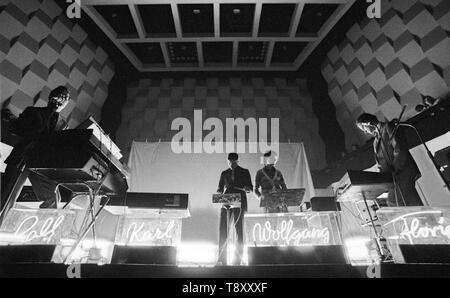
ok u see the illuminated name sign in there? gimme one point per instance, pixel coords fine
(149, 232)
(416, 225)
(291, 229)
(23, 226)
(287, 234)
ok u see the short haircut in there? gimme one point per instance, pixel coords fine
(59, 92)
(233, 156)
(367, 118)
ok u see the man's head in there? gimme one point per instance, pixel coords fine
(233, 160)
(270, 158)
(368, 123)
(58, 98)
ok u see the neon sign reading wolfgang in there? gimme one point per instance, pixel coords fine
(291, 229)
(421, 226)
(287, 234)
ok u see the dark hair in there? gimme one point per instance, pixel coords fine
(233, 156)
(368, 118)
(58, 92)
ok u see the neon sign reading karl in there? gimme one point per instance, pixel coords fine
(286, 233)
(137, 233)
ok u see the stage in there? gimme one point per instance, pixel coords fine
(48, 270)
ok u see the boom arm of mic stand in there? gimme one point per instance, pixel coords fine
(430, 155)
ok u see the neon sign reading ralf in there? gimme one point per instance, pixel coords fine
(29, 231)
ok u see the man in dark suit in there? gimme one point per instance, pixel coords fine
(392, 156)
(32, 124)
(233, 180)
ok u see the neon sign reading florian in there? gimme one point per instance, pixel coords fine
(287, 234)
(416, 226)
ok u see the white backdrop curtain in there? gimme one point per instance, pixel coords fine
(155, 168)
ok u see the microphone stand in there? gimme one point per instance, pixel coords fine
(430, 155)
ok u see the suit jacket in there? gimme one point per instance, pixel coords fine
(241, 179)
(33, 123)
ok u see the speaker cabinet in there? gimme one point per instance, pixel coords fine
(26, 253)
(161, 255)
(426, 253)
(330, 254)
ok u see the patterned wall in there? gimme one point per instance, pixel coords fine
(384, 64)
(152, 105)
(40, 49)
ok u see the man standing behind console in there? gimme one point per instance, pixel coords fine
(32, 124)
(392, 156)
(233, 180)
(270, 181)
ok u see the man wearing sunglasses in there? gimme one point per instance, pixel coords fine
(392, 156)
(33, 123)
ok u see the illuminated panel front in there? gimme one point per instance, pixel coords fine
(292, 229)
(135, 231)
(149, 228)
(414, 226)
(42, 226)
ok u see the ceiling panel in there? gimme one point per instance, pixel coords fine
(119, 18)
(196, 19)
(287, 52)
(252, 53)
(157, 20)
(148, 53)
(182, 53)
(276, 19)
(236, 19)
(218, 53)
(314, 17)
(219, 35)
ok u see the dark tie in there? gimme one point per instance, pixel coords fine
(232, 175)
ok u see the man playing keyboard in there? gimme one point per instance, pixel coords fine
(233, 180)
